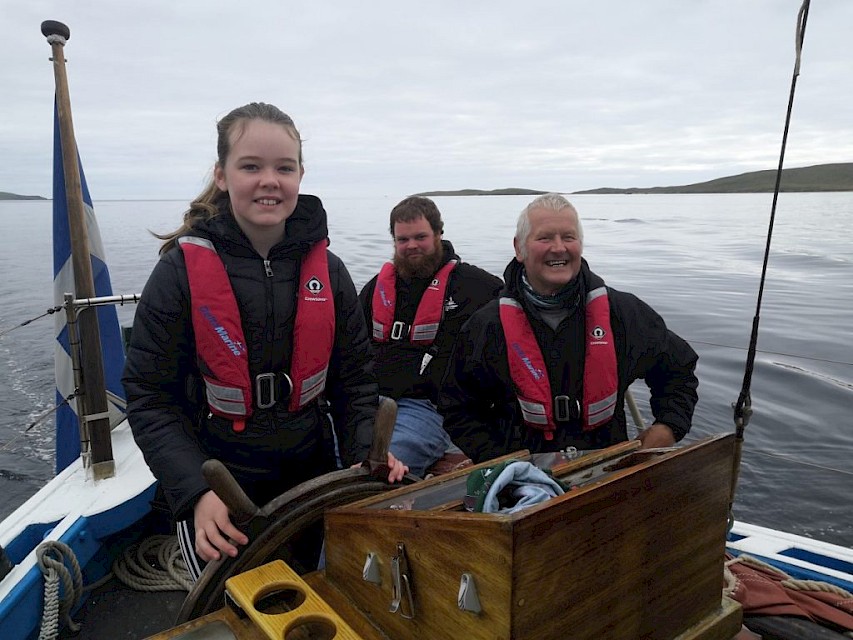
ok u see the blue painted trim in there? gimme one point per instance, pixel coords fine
(20, 611)
(819, 559)
(20, 547)
(798, 572)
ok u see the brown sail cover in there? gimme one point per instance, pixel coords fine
(765, 590)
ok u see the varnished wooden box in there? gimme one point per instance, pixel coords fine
(631, 553)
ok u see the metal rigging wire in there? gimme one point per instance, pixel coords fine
(743, 406)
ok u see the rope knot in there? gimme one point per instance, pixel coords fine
(52, 556)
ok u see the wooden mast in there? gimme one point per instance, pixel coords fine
(92, 402)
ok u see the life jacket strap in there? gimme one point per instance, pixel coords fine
(271, 388)
(566, 409)
(399, 330)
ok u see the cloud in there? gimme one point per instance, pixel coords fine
(393, 99)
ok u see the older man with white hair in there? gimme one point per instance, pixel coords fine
(547, 365)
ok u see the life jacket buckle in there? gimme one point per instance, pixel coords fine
(566, 408)
(399, 330)
(267, 391)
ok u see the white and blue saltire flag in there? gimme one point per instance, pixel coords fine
(67, 432)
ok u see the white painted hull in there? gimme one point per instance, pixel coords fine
(794, 554)
(77, 510)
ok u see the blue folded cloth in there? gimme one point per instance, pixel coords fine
(510, 487)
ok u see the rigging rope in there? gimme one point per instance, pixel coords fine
(39, 419)
(26, 322)
(743, 406)
(774, 353)
(793, 460)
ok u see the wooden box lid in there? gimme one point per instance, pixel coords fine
(632, 552)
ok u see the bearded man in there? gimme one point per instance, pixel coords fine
(416, 305)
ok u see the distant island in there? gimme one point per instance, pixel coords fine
(511, 191)
(4, 195)
(821, 177)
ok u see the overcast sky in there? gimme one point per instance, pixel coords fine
(395, 97)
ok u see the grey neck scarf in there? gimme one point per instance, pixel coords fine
(566, 298)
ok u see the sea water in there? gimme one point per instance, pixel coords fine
(696, 259)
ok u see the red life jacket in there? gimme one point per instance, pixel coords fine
(427, 317)
(530, 377)
(220, 344)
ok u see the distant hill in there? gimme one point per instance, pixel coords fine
(511, 191)
(821, 177)
(14, 196)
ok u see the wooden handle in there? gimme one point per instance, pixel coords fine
(242, 509)
(383, 428)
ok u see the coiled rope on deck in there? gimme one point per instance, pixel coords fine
(155, 564)
(52, 558)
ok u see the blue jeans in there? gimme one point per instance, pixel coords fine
(419, 439)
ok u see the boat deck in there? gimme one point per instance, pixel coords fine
(116, 612)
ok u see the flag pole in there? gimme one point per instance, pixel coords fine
(92, 402)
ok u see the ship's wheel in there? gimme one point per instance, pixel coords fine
(290, 527)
